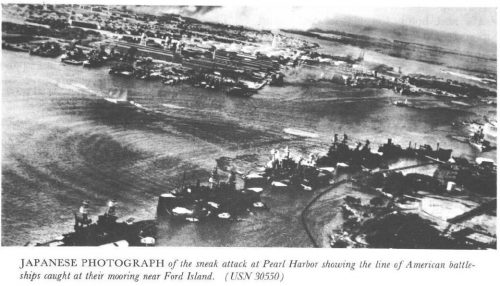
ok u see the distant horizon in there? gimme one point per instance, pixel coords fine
(368, 20)
(475, 22)
(470, 44)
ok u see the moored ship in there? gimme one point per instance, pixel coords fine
(220, 200)
(106, 231)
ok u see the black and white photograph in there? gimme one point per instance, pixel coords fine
(249, 126)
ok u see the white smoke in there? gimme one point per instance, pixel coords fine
(181, 10)
(268, 17)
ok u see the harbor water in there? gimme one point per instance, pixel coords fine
(62, 143)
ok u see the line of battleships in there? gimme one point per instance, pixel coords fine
(222, 200)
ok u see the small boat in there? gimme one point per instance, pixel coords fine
(72, 62)
(224, 215)
(278, 184)
(239, 91)
(342, 165)
(255, 190)
(125, 73)
(214, 205)
(401, 103)
(306, 188)
(258, 204)
(328, 169)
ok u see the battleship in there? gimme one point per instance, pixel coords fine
(282, 172)
(340, 154)
(219, 200)
(482, 137)
(361, 157)
(106, 231)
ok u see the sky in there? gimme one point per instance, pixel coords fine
(480, 22)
